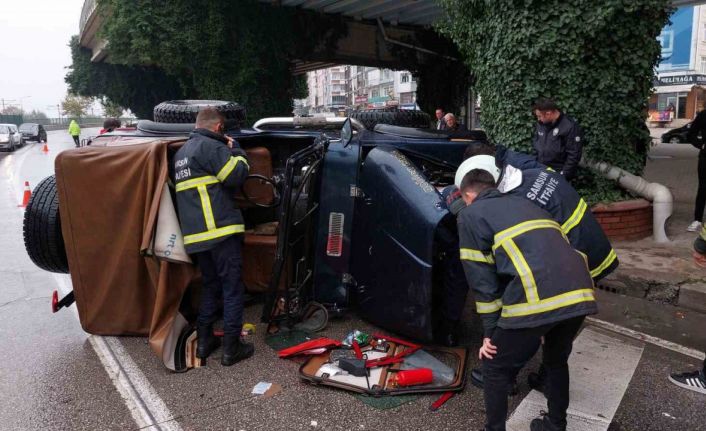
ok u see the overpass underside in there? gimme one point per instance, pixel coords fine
(377, 31)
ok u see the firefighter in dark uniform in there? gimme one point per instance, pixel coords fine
(557, 139)
(454, 286)
(208, 170)
(503, 155)
(551, 192)
(529, 283)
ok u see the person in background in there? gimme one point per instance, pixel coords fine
(109, 125)
(695, 135)
(75, 132)
(440, 122)
(557, 139)
(694, 380)
(452, 124)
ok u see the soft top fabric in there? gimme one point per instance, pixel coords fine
(108, 200)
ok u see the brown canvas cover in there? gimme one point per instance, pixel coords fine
(109, 200)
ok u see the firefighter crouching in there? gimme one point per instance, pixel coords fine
(208, 171)
(529, 283)
(552, 192)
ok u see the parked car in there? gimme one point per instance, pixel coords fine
(346, 223)
(10, 137)
(33, 132)
(676, 136)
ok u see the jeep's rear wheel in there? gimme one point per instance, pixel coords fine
(396, 117)
(185, 111)
(42, 228)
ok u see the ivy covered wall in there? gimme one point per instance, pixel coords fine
(235, 50)
(596, 59)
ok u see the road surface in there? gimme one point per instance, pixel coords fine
(55, 376)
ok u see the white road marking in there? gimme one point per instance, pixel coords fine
(601, 368)
(641, 336)
(146, 407)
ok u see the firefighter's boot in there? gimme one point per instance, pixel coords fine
(235, 350)
(206, 342)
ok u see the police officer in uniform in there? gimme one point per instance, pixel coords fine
(208, 170)
(557, 139)
(529, 283)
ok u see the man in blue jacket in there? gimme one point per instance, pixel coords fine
(208, 170)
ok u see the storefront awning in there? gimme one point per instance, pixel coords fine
(674, 88)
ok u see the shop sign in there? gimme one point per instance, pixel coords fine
(680, 80)
(379, 99)
(361, 99)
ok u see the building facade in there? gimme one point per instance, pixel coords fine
(342, 88)
(680, 81)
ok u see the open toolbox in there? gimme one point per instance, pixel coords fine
(389, 368)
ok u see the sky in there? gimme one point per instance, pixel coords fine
(35, 52)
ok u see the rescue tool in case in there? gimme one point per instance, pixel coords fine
(385, 366)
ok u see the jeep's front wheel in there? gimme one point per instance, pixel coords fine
(42, 228)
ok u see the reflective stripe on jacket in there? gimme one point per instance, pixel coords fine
(207, 175)
(520, 264)
(551, 192)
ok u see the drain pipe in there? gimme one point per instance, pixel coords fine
(659, 195)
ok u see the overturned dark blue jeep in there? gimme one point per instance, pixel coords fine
(336, 214)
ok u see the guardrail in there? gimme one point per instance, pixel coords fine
(58, 123)
(53, 127)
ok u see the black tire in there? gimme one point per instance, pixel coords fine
(42, 228)
(185, 111)
(396, 117)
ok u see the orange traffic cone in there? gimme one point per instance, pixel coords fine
(45, 149)
(26, 196)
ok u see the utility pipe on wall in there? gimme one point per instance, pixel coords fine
(658, 194)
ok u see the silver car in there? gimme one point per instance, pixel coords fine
(10, 137)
